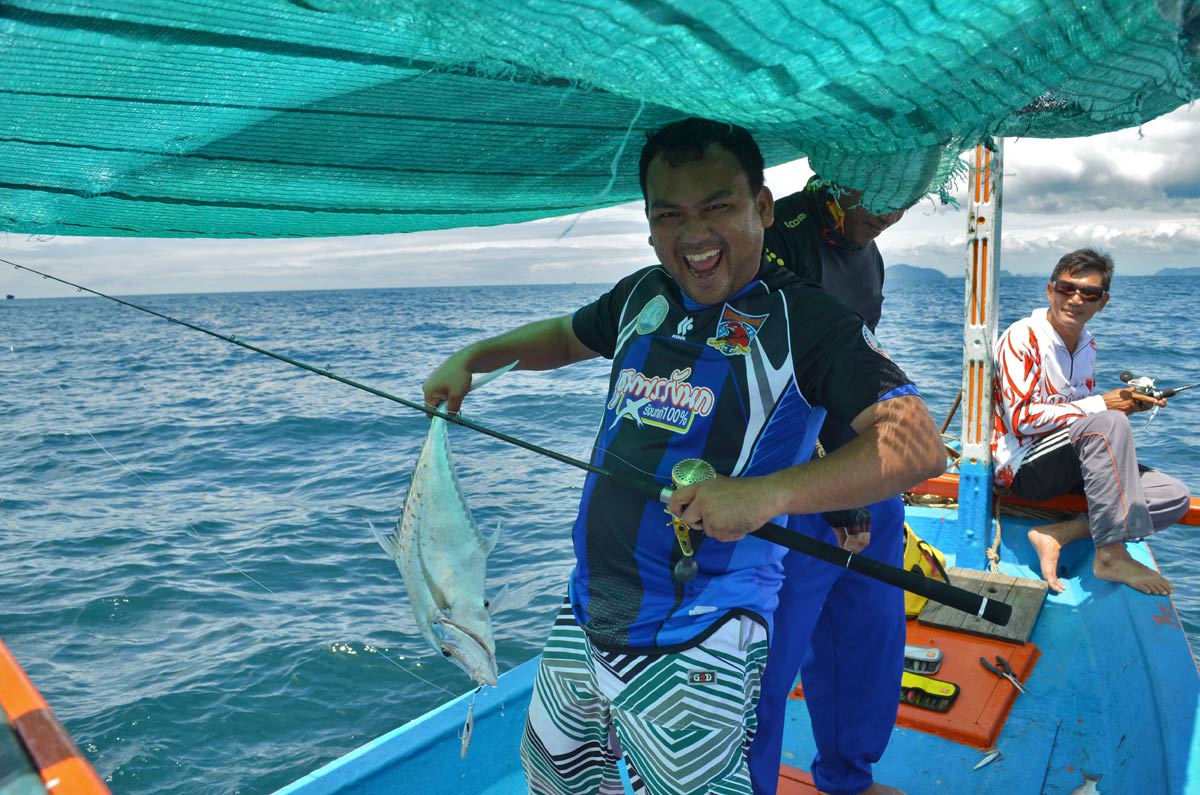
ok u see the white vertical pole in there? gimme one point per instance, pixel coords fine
(979, 340)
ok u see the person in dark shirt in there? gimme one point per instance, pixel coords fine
(824, 235)
(720, 356)
(851, 658)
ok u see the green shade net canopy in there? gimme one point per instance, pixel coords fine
(178, 118)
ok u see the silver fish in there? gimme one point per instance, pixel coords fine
(442, 559)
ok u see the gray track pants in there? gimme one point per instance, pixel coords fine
(1095, 456)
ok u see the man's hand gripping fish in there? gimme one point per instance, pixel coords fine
(442, 558)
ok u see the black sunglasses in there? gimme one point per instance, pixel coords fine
(1085, 291)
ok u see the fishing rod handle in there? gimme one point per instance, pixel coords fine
(990, 610)
(692, 471)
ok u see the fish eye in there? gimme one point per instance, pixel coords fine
(446, 653)
(487, 603)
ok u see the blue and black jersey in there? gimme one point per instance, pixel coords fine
(744, 385)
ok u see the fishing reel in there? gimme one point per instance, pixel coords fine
(1144, 385)
(687, 472)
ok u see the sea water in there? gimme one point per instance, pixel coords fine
(186, 567)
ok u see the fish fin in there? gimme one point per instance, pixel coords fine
(490, 542)
(499, 601)
(390, 543)
(494, 374)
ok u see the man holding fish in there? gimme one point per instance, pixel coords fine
(718, 357)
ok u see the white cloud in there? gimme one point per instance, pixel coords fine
(1134, 193)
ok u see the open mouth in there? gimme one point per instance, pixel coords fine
(464, 630)
(703, 263)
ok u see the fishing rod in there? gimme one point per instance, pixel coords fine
(989, 610)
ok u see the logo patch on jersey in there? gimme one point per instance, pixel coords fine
(873, 343)
(702, 677)
(670, 403)
(795, 222)
(652, 315)
(683, 328)
(735, 332)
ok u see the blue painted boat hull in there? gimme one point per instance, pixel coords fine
(1114, 698)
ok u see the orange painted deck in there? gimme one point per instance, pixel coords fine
(983, 703)
(795, 782)
(946, 485)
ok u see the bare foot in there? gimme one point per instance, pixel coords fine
(1114, 563)
(1048, 541)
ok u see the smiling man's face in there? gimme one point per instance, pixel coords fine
(1068, 314)
(705, 226)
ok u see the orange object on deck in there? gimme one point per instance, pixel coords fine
(795, 782)
(62, 767)
(946, 485)
(984, 699)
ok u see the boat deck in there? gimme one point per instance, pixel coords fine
(1122, 714)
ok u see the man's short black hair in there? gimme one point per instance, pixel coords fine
(686, 141)
(1082, 261)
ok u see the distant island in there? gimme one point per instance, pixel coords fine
(903, 272)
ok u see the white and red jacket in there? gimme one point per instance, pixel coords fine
(1040, 387)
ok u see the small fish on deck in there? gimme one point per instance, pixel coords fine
(1090, 785)
(442, 558)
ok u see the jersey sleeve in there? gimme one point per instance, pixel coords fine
(1021, 396)
(842, 366)
(598, 324)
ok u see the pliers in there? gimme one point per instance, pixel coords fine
(1005, 670)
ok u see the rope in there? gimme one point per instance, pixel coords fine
(993, 552)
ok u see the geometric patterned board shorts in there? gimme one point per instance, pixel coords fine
(683, 720)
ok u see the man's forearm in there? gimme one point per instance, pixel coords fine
(901, 448)
(541, 345)
(897, 447)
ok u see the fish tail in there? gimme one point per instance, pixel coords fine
(494, 374)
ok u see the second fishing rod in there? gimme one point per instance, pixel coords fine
(990, 610)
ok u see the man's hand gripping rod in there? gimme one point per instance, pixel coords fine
(693, 470)
(1144, 385)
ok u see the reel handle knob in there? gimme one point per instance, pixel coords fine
(688, 472)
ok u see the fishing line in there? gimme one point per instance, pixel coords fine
(457, 419)
(989, 609)
(68, 402)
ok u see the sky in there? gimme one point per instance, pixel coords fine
(1133, 193)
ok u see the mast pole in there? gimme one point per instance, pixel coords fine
(979, 342)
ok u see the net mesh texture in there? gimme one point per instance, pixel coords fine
(177, 118)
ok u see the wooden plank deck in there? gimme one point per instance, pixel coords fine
(1024, 594)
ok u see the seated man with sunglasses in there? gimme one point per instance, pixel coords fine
(1053, 435)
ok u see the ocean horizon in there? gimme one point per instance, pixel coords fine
(186, 566)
